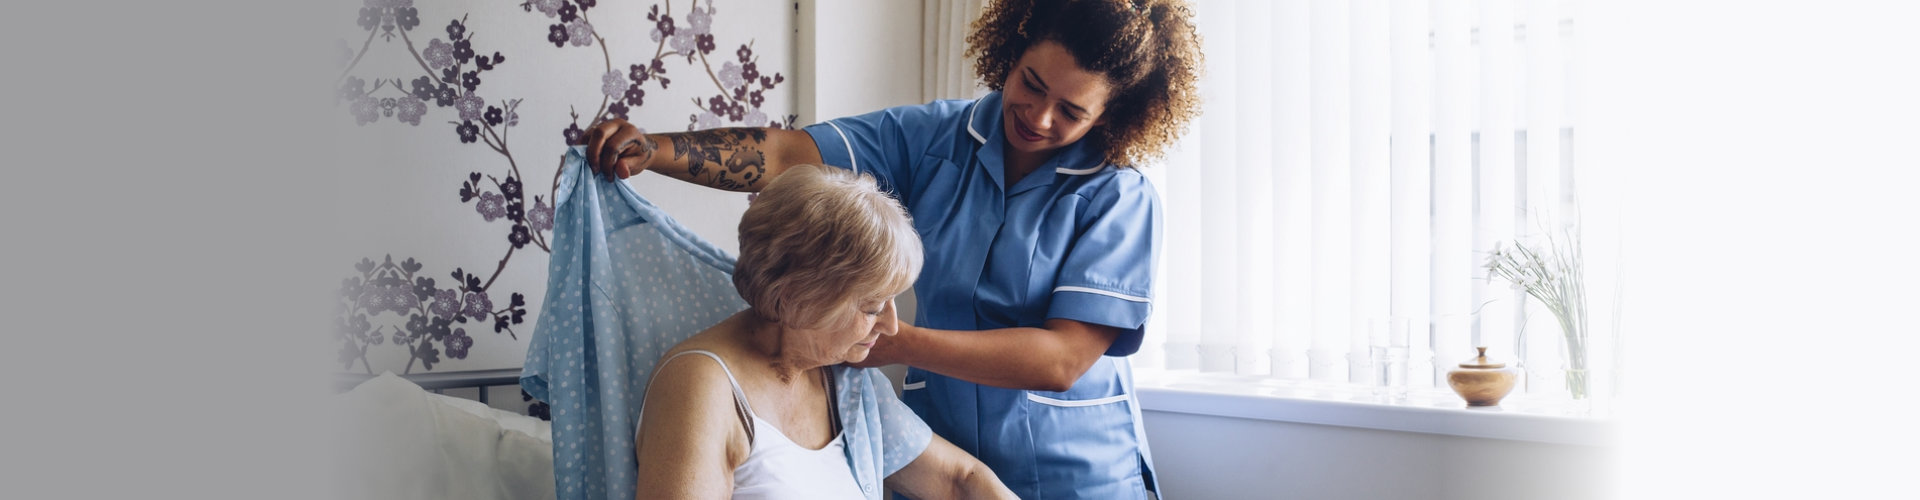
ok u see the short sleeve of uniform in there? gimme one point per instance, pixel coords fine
(886, 143)
(1107, 278)
(906, 435)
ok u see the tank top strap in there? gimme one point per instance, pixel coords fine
(740, 404)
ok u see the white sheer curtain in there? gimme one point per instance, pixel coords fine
(945, 71)
(1355, 161)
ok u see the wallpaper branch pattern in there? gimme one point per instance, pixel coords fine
(405, 306)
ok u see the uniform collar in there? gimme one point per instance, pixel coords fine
(984, 126)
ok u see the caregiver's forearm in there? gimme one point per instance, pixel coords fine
(733, 159)
(1037, 359)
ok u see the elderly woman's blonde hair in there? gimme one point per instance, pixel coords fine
(818, 238)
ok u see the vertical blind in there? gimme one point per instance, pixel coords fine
(1354, 163)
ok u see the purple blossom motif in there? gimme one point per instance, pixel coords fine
(700, 21)
(519, 237)
(427, 355)
(386, 294)
(579, 33)
(352, 89)
(407, 18)
(730, 75)
(704, 42)
(446, 303)
(664, 27)
(455, 30)
(617, 110)
(755, 116)
(635, 96)
(516, 211)
(469, 132)
(462, 50)
(423, 288)
(494, 116)
(491, 206)
(557, 34)
(470, 80)
(411, 109)
(541, 217)
(574, 135)
(438, 54)
(369, 18)
(549, 7)
(477, 305)
(613, 84)
(458, 343)
(683, 43)
(705, 121)
(471, 107)
(751, 71)
(568, 13)
(365, 110)
(510, 188)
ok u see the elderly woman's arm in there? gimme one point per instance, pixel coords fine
(945, 471)
(734, 159)
(689, 441)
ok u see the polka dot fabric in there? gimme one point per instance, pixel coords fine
(625, 283)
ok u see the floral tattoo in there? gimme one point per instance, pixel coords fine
(727, 158)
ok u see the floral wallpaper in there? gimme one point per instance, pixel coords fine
(458, 112)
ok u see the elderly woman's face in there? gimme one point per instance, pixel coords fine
(849, 338)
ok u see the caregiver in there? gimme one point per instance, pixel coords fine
(1039, 233)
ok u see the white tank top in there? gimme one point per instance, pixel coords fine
(776, 467)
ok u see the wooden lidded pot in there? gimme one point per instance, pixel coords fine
(1481, 381)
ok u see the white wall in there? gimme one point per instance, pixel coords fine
(1206, 457)
(858, 56)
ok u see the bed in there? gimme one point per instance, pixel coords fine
(401, 437)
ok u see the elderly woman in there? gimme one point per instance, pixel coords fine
(745, 409)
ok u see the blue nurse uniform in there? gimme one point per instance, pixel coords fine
(1075, 239)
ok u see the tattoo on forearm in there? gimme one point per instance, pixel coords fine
(726, 158)
(646, 149)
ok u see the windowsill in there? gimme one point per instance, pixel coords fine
(1520, 417)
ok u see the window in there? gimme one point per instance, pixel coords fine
(1343, 183)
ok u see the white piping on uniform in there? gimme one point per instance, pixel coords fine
(1084, 171)
(1071, 404)
(1096, 291)
(970, 130)
(916, 385)
(843, 140)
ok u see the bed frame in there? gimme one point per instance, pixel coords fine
(440, 382)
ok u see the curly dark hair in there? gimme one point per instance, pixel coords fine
(1147, 49)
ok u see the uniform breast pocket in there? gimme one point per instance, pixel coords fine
(913, 389)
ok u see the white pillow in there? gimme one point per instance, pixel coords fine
(396, 440)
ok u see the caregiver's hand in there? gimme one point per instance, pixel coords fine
(617, 149)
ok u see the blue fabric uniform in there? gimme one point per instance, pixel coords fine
(1075, 239)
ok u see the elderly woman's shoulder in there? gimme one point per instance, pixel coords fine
(716, 341)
